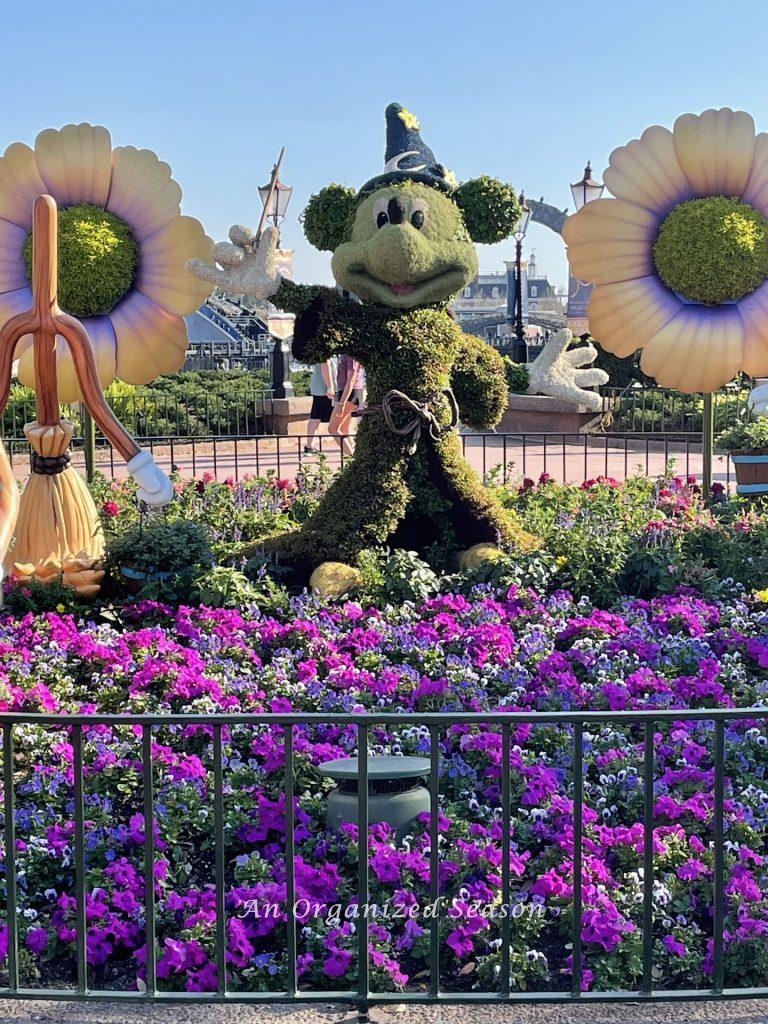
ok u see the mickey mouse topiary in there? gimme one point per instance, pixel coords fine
(403, 245)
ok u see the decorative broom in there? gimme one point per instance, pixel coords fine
(58, 532)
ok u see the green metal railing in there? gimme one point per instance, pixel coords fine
(362, 996)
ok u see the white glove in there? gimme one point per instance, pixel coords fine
(555, 372)
(758, 400)
(154, 487)
(248, 264)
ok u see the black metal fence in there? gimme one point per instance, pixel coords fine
(655, 410)
(501, 458)
(430, 988)
(154, 413)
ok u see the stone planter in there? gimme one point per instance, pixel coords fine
(134, 579)
(751, 472)
(285, 416)
(540, 414)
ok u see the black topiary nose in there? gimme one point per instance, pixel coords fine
(396, 210)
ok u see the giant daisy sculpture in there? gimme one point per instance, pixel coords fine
(123, 246)
(679, 256)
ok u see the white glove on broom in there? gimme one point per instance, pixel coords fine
(154, 486)
(758, 400)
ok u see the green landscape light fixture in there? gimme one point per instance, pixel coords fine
(587, 189)
(396, 794)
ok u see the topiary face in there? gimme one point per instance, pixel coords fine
(408, 247)
(712, 250)
(97, 260)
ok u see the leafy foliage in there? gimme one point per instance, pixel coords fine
(160, 545)
(490, 208)
(517, 376)
(713, 250)
(97, 259)
(328, 216)
(745, 435)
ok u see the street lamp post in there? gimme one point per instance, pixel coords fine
(586, 190)
(519, 348)
(275, 197)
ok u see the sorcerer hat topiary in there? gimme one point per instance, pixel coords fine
(408, 157)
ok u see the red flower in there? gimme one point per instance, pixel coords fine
(111, 509)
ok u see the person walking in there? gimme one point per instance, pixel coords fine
(349, 396)
(322, 388)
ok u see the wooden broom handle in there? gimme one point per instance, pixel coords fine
(45, 307)
(44, 321)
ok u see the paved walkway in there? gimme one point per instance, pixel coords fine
(571, 460)
(738, 1012)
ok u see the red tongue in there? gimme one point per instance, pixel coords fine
(402, 289)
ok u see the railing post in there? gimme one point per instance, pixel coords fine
(89, 442)
(578, 827)
(648, 859)
(149, 858)
(218, 826)
(707, 445)
(81, 921)
(363, 980)
(9, 810)
(719, 872)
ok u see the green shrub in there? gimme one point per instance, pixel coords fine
(746, 435)
(517, 376)
(392, 578)
(490, 208)
(160, 545)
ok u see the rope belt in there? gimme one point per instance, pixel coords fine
(397, 401)
(50, 465)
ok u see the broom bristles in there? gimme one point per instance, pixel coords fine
(57, 523)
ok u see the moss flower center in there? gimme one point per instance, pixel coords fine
(712, 250)
(98, 257)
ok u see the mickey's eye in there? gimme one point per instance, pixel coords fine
(419, 213)
(380, 212)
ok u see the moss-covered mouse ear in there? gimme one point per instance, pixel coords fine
(328, 216)
(490, 208)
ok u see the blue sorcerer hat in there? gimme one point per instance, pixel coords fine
(407, 157)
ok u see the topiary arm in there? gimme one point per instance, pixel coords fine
(328, 326)
(479, 383)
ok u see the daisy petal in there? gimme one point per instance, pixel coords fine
(75, 163)
(715, 150)
(610, 240)
(700, 349)
(142, 192)
(753, 309)
(11, 303)
(646, 171)
(102, 337)
(756, 191)
(149, 340)
(624, 316)
(20, 185)
(13, 274)
(163, 275)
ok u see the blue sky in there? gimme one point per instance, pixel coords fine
(526, 93)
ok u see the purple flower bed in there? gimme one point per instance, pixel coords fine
(492, 652)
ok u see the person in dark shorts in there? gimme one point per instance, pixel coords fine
(349, 396)
(322, 388)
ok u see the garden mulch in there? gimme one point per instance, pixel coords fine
(753, 1011)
